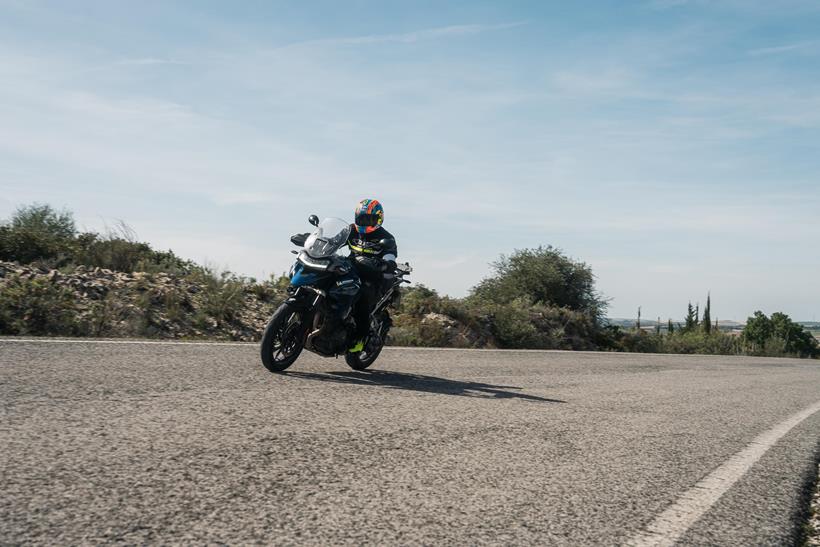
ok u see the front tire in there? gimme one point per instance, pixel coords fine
(283, 339)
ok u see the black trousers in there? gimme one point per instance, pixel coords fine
(368, 297)
(342, 295)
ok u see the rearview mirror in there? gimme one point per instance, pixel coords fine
(313, 219)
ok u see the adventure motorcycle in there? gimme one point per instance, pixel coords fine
(298, 322)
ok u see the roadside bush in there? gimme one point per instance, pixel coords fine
(777, 336)
(637, 341)
(104, 318)
(120, 251)
(411, 331)
(714, 343)
(544, 276)
(38, 233)
(523, 324)
(272, 291)
(512, 325)
(419, 300)
(683, 342)
(426, 319)
(223, 295)
(36, 307)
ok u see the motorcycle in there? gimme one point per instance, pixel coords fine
(298, 323)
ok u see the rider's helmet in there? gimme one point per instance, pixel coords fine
(369, 216)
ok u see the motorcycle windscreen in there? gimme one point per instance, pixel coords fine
(328, 237)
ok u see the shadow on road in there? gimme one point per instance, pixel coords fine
(418, 382)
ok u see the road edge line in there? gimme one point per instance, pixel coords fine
(48, 340)
(669, 526)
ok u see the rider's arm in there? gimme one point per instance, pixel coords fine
(388, 255)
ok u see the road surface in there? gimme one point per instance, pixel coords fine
(198, 443)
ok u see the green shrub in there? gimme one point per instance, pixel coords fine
(409, 331)
(419, 300)
(37, 307)
(713, 343)
(38, 233)
(272, 291)
(513, 327)
(105, 316)
(637, 341)
(778, 336)
(681, 342)
(523, 324)
(544, 276)
(118, 250)
(413, 326)
(223, 296)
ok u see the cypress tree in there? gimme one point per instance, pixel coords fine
(707, 315)
(690, 318)
(670, 328)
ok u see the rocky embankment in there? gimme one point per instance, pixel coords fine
(83, 301)
(101, 302)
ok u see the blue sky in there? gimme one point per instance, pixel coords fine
(673, 145)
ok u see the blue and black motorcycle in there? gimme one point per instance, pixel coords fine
(298, 323)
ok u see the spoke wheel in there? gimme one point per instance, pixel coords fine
(282, 341)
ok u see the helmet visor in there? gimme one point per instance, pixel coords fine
(364, 219)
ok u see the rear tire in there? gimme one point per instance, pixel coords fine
(283, 339)
(372, 348)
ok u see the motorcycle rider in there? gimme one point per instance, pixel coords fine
(373, 255)
(373, 252)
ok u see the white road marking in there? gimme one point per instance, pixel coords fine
(198, 343)
(45, 340)
(673, 523)
(140, 342)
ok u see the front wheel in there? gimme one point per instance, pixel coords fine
(282, 341)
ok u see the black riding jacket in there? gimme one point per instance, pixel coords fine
(372, 252)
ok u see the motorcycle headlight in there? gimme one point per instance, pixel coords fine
(315, 263)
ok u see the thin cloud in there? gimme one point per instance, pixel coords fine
(667, 4)
(410, 37)
(145, 61)
(137, 62)
(782, 49)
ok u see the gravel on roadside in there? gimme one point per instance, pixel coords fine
(813, 526)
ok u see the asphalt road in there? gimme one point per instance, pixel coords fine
(194, 443)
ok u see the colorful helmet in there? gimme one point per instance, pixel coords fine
(369, 216)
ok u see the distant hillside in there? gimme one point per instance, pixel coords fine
(629, 323)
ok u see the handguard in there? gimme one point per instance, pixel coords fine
(299, 239)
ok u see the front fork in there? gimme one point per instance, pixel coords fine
(299, 298)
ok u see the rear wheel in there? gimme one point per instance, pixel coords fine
(283, 339)
(373, 346)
